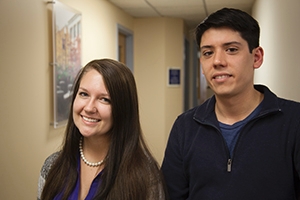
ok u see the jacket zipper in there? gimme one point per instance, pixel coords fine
(229, 163)
(229, 160)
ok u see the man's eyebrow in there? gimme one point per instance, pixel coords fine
(206, 47)
(231, 43)
(225, 44)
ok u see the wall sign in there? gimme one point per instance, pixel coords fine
(174, 76)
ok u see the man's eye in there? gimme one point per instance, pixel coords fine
(206, 53)
(232, 50)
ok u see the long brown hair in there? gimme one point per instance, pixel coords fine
(130, 170)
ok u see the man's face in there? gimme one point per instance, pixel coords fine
(226, 62)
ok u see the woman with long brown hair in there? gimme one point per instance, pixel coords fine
(104, 155)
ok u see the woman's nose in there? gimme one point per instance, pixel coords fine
(90, 106)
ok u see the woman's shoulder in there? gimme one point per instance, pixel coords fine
(44, 172)
(48, 163)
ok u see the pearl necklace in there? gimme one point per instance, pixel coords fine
(90, 164)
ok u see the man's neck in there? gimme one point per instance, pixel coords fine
(236, 108)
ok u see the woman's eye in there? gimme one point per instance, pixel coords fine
(83, 94)
(105, 100)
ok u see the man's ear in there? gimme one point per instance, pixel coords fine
(258, 53)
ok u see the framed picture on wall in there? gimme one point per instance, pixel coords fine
(66, 30)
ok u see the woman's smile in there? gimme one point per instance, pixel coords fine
(88, 119)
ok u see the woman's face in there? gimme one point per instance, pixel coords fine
(92, 109)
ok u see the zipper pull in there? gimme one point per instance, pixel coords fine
(229, 163)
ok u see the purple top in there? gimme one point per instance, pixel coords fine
(93, 189)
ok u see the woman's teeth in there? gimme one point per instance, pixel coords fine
(90, 119)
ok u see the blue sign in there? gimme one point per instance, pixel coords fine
(174, 76)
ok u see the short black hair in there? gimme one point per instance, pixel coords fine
(234, 19)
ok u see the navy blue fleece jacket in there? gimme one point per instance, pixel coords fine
(265, 163)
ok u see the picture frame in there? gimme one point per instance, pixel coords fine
(66, 31)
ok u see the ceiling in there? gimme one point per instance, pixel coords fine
(192, 11)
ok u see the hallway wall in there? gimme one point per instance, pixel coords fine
(280, 30)
(158, 45)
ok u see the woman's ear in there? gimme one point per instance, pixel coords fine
(258, 57)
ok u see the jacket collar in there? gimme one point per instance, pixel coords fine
(205, 113)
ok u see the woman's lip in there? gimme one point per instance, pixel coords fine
(89, 119)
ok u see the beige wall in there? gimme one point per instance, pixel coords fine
(280, 30)
(27, 137)
(158, 45)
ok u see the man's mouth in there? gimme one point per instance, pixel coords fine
(222, 76)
